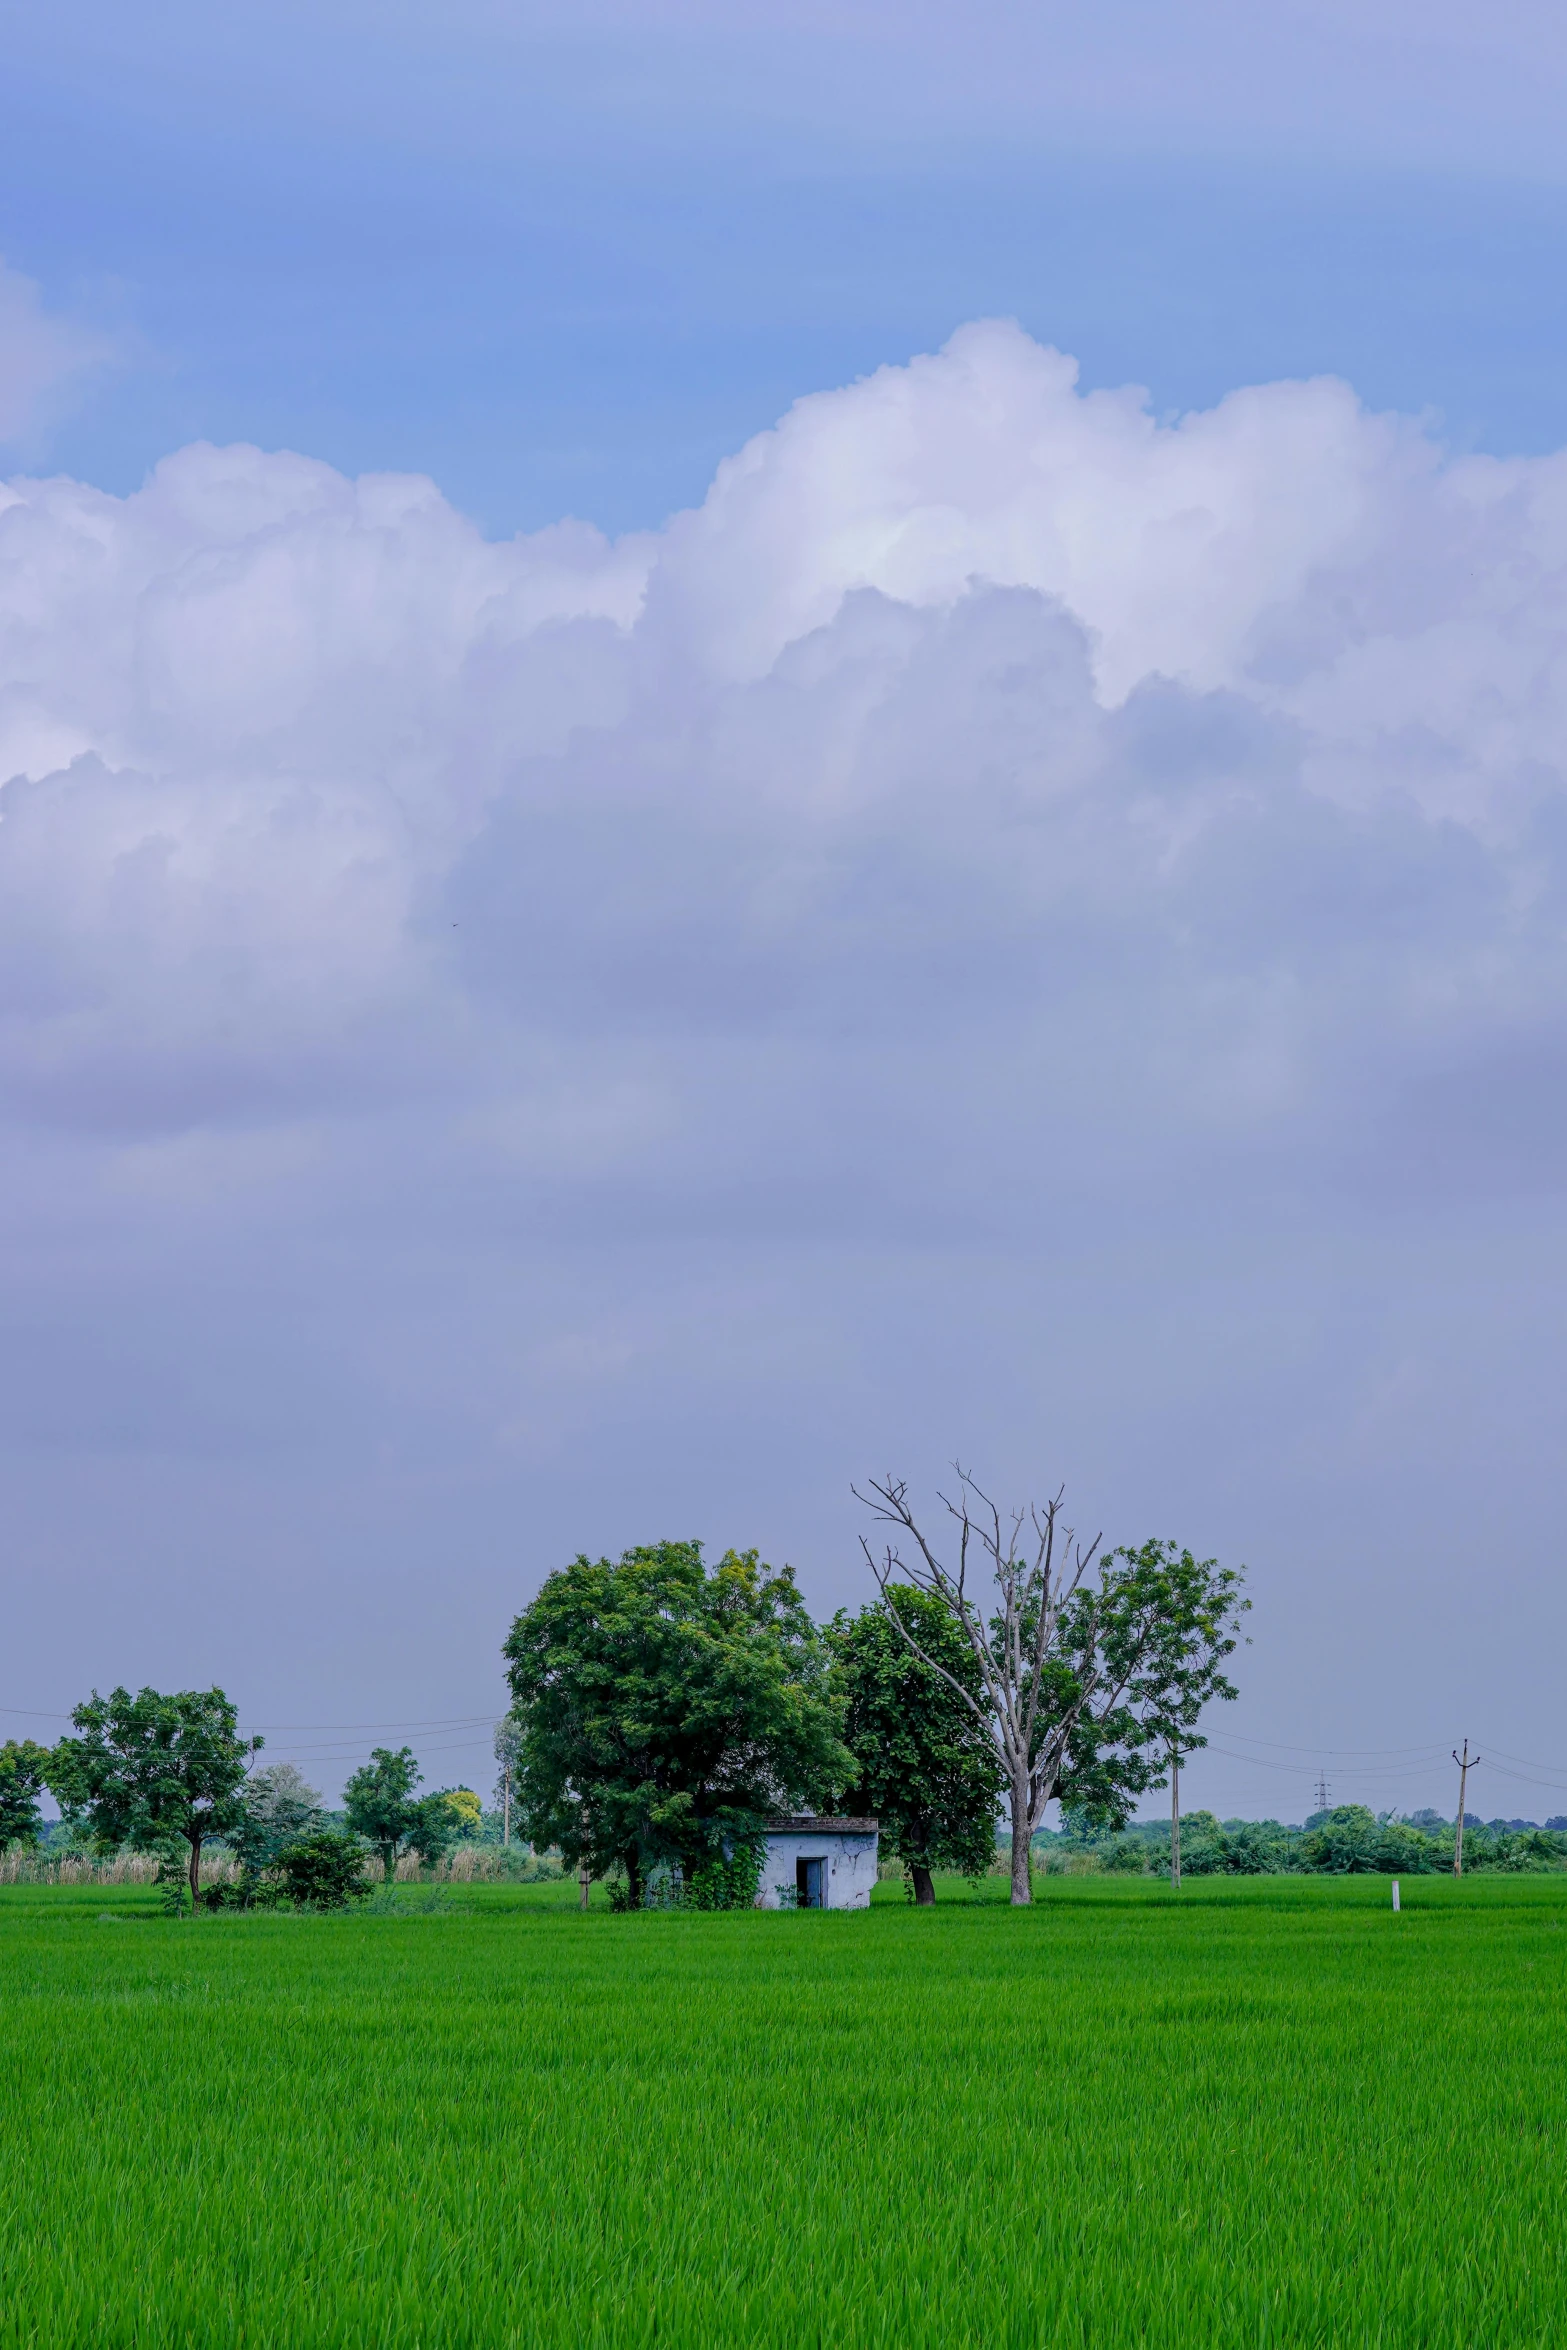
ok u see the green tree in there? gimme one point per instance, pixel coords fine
(452, 1815)
(280, 1806)
(1159, 1628)
(927, 1768)
(150, 1770)
(380, 1804)
(666, 1709)
(1075, 1653)
(324, 1870)
(24, 1769)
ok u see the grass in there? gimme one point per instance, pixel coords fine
(1254, 2113)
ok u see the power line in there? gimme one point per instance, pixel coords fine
(316, 1754)
(1337, 1753)
(310, 1729)
(1259, 1762)
(453, 1722)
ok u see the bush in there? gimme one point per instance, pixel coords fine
(715, 1880)
(1128, 1856)
(323, 1871)
(1352, 1841)
(727, 1881)
(173, 1888)
(1531, 1850)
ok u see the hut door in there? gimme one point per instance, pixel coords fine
(810, 1883)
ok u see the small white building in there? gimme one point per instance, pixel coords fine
(818, 1864)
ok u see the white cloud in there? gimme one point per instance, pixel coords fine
(1017, 926)
(1208, 765)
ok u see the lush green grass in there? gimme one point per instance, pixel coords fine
(1257, 2113)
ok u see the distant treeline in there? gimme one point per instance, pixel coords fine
(1346, 1841)
(483, 1832)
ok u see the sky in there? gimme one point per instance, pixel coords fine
(747, 746)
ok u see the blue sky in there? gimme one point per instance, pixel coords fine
(566, 270)
(950, 911)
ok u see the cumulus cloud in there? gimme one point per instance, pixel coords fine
(1017, 924)
(1208, 768)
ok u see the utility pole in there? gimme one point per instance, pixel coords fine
(1175, 1819)
(506, 1802)
(1466, 1762)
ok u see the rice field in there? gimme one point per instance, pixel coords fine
(1254, 2113)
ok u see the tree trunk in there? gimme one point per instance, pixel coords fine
(1175, 1819)
(389, 1863)
(195, 1874)
(924, 1890)
(584, 1881)
(1022, 1882)
(634, 1878)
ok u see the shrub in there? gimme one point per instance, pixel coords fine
(718, 1880)
(323, 1871)
(1530, 1850)
(1352, 1841)
(729, 1880)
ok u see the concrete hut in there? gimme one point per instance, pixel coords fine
(818, 1863)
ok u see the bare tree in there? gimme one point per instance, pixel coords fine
(1038, 1568)
(1090, 1669)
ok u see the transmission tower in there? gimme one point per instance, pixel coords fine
(1324, 1792)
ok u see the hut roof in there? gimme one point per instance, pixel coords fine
(813, 1824)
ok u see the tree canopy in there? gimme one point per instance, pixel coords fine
(1085, 1662)
(927, 1768)
(380, 1805)
(448, 1816)
(667, 1708)
(1155, 1632)
(24, 1770)
(151, 1770)
(280, 1806)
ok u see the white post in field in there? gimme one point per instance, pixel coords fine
(1395, 1896)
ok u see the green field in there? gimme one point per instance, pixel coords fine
(1248, 2113)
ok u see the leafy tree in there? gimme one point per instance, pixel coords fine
(1161, 1623)
(24, 1769)
(451, 1816)
(927, 1767)
(150, 1770)
(466, 1810)
(280, 1807)
(1079, 1664)
(323, 1870)
(379, 1802)
(667, 1709)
